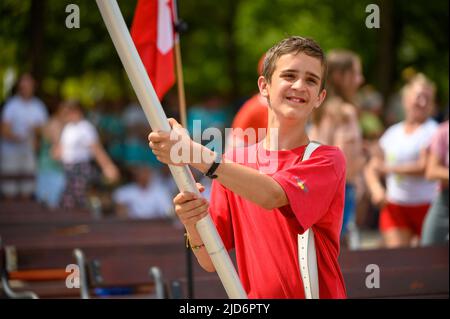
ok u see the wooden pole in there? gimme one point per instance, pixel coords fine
(183, 118)
(180, 84)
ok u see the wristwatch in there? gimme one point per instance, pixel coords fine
(214, 166)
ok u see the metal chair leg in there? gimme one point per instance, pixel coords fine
(84, 284)
(155, 273)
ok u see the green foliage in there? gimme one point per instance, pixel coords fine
(224, 39)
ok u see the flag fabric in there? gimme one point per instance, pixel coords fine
(153, 34)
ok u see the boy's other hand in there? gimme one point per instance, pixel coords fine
(190, 208)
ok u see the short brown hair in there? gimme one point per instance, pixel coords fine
(294, 44)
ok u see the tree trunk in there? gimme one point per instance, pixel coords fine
(386, 49)
(36, 33)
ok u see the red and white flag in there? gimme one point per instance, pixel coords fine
(154, 37)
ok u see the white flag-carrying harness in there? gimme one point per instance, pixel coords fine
(157, 119)
(307, 249)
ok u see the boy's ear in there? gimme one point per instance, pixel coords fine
(262, 85)
(320, 98)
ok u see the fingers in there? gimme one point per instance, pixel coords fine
(184, 197)
(190, 204)
(195, 219)
(200, 187)
(190, 208)
(157, 137)
(184, 214)
(191, 217)
(158, 147)
(173, 123)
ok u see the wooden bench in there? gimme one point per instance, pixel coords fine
(420, 272)
(82, 278)
(124, 249)
(404, 273)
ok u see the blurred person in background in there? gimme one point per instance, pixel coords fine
(336, 123)
(252, 115)
(51, 181)
(435, 228)
(212, 113)
(371, 104)
(107, 118)
(79, 144)
(370, 118)
(400, 156)
(22, 119)
(145, 197)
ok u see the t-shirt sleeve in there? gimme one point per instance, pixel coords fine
(219, 210)
(311, 185)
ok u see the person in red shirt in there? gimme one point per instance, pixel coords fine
(253, 115)
(264, 195)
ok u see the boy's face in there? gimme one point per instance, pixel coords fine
(294, 90)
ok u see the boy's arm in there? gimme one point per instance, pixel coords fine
(190, 209)
(259, 188)
(201, 254)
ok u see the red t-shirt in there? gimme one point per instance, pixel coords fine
(266, 240)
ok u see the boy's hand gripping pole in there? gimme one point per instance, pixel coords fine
(157, 119)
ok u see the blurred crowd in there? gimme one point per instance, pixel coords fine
(69, 157)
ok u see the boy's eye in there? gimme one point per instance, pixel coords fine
(288, 76)
(312, 81)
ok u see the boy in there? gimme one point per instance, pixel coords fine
(260, 213)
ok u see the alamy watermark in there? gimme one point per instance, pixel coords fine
(373, 19)
(73, 278)
(373, 279)
(182, 151)
(73, 18)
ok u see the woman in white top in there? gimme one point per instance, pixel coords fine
(79, 144)
(401, 157)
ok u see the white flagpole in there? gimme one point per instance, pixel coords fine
(157, 119)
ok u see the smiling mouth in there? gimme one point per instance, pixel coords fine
(296, 99)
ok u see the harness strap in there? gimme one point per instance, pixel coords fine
(307, 249)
